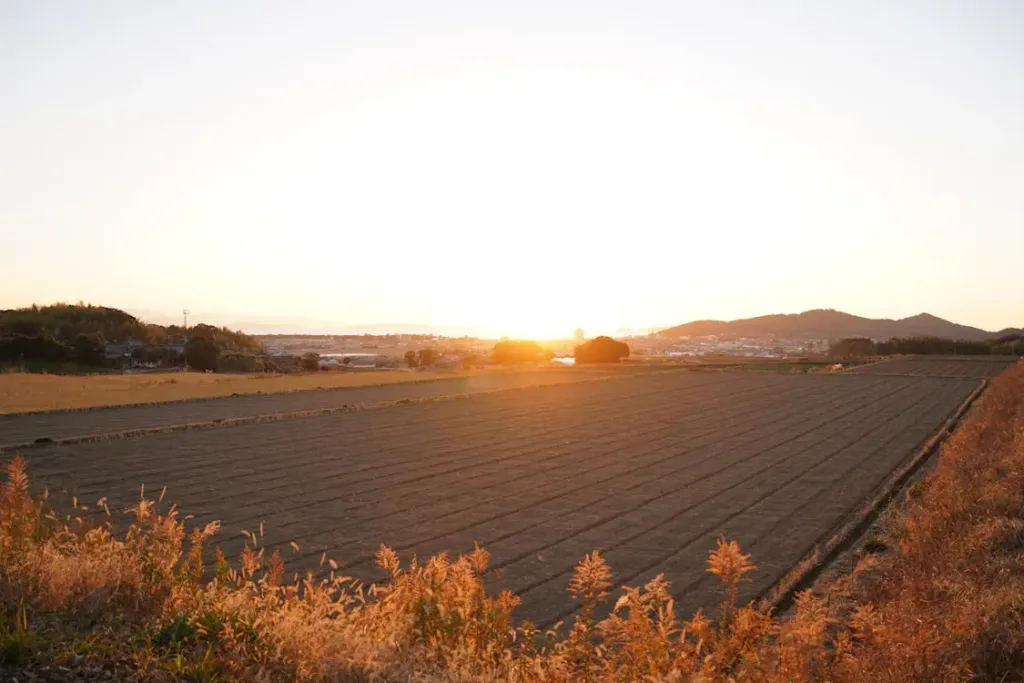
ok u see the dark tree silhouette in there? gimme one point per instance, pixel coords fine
(63, 322)
(90, 348)
(854, 347)
(201, 353)
(859, 347)
(36, 348)
(601, 350)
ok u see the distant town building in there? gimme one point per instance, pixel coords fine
(116, 350)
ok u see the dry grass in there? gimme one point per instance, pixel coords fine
(946, 605)
(27, 391)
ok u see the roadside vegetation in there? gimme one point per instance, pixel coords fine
(938, 596)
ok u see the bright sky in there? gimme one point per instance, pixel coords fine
(523, 167)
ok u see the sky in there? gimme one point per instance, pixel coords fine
(515, 168)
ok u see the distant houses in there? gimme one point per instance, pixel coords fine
(135, 353)
(123, 349)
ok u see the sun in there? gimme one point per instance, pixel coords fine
(518, 306)
(537, 330)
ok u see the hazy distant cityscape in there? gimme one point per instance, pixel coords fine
(374, 349)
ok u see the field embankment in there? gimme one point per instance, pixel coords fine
(945, 602)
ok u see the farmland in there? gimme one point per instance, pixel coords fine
(650, 469)
(27, 427)
(22, 392)
(939, 366)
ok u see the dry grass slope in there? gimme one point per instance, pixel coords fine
(949, 604)
(945, 605)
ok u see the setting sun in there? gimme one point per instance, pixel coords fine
(521, 170)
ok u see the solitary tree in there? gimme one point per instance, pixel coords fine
(601, 350)
(426, 357)
(410, 358)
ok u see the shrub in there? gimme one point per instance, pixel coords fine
(310, 362)
(234, 361)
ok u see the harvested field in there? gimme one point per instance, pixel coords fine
(28, 427)
(22, 392)
(650, 470)
(939, 366)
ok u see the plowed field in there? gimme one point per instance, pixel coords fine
(938, 366)
(648, 469)
(27, 427)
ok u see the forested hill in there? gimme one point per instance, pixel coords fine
(65, 322)
(831, 324)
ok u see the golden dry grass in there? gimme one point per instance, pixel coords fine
(21, 391)
(947, 604)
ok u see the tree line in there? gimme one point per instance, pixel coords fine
(598, 350)
(64, 333)
(79, 333)
(855, 347)
(85, 349)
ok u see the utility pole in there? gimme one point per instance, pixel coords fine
(184, 336)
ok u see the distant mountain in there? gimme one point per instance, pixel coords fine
(830, 324)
